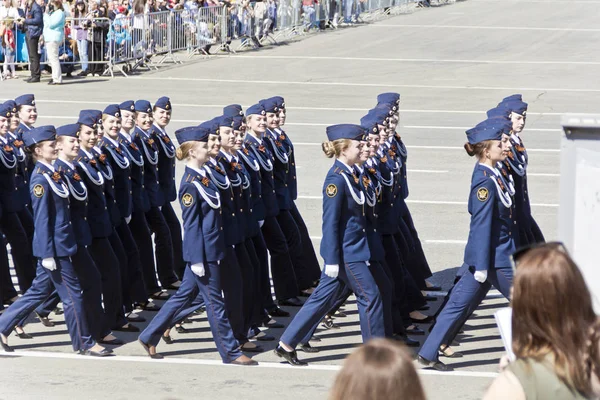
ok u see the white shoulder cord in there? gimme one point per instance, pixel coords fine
(207, 197)
(268, 166)
(168, 151)
(62, 192)
(109, 174)
(282, 157)
(504, 197)
(510, 183)
(219, 185)
(6, 161)
(253, 164)
(360, 199)
(121, 164)
(151, 159)
(97, 182)
(78, 196)
(139, 163)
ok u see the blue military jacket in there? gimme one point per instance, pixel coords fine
(388, 211)
(203, 239)
(78, 197)
(231, 217)
(492, 229)
(25, 167)
(400, 149)
(166, 163)
(250, 223)
(252, 168)
(281, 169)
(371, 186)
(292, 182)
(265, 161)
(9, 165)
(54, 235)
(344, 220)
(136, 160)
(98, 216)
(121, 169)
(104, 166)
(149, 149)
(238, 179)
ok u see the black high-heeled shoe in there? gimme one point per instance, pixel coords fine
(23, 335)
(5, 346)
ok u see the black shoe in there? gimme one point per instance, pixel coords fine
(340, 314)
(33, 80)
(160, 296)
(424, 308)
(415, 330)
(278, 312)
(200, 311)
(255, 349)
(6, 347)
(272, 324)
(329, 324)
(69, 75)
(45, 321)
(315, 338)
(307, 348)
(167, 339)
(430, 298)
(307, 292)
(289, 356)
(181, 329)
(23, 335)
(426, 320)
(83, 73)
(455, 354)
(101, 353)
(113, 342)
(133, 317)
(263, 337)
(128, 328)
(437, 365)
(155, 356)
(292, 302)
(406, 340)
(58, 311)
(434, 288)
(148, 306)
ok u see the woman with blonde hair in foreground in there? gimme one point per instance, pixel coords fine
(555, 331)
(378, 370)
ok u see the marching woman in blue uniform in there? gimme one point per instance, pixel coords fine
(282, 268)
(99, 219)
(344, 247)
(516, 163)
(131, 274)
(54, 244)
(12, 207)
(143, 138)
(28, 115)
(312, 268)
(306, 269)
(203, 250)
(491, 239)
(140, 205)
(166, 177)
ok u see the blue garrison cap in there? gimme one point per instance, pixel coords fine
(270, 105)
(256, 109)
(379, 114)
(490, 129)
(233, 110)
(127, 105)
(512, 97)
(212, 126)
(389, 98)
(280, 101)
(498, 112)
(143, 106)
(389, 108)
(164, 103)
(113, 109)
(369, 124)
(225, 120)
(192, 134)
(25, 100)
(39, 134)
(71, 130)
(12, 105)
(237, 122)
(346, 131)
(90, 118)
(516, 106)
(5, 110)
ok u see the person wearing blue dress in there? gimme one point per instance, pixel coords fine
(54, 244)
(344, 247)
(491, 240)
(203, 250)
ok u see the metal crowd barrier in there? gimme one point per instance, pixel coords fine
(148, 40)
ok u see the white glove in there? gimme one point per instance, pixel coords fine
(159, 208)
(480, 276)
(261, 223)
(332, 271)
(127, 220)
(49, 264)
(198, 269)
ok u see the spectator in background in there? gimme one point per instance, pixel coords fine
(65, 56)
(54, 36)
(80, 34)
(555, 331)
(8, 36)
(378, 370)
(34, 24)
(97, 25)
